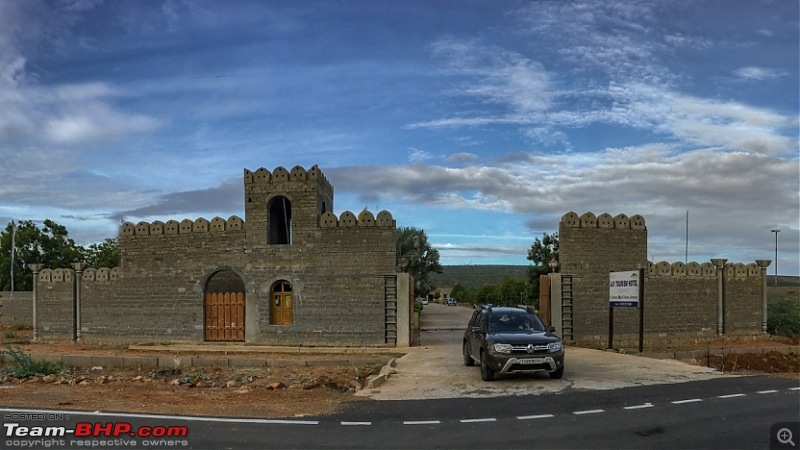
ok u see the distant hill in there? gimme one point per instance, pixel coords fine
(474, 277)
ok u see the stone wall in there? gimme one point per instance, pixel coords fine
(680, 300)
(16, 311)
(589, 248)
(338, 268)
(54, 304)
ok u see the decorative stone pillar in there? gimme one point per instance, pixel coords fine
(35, 268)
(763, 263)
(719, 263)
(78, 266)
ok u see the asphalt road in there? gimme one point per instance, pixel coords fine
(744, 412)
(605, 400)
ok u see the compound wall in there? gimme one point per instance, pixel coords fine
(16, 310)
(680, 299)
(341, 270)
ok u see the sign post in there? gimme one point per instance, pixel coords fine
(626, 290)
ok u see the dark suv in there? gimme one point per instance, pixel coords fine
(511, 340)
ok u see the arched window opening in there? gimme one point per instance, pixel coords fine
(280, 221)
(281, 304)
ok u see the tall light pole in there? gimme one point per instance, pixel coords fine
(776, 255)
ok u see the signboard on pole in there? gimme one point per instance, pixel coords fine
(623, 289)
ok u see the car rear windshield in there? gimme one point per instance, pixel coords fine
(515, 323)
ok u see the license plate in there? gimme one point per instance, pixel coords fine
(531, 361)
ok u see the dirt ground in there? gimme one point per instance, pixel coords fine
(269, 392)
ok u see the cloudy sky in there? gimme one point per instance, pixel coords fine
(482, 122)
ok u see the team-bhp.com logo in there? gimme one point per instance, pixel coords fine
(96, 429)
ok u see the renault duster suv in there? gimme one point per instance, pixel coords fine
(511, 340)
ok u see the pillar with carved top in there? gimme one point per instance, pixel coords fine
(35, 268)
(78, 266)
(763, 264)
(719, 263)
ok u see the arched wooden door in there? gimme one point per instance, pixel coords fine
(224, 307)
(281, 304)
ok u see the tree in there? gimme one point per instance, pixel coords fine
(542, 251)
(513, 291)
(462, 294)
(416, 256)
(50, 245)
(104, 254)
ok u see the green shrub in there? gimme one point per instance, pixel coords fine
(783, 317)
(19, 364)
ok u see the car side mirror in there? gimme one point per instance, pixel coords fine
(551, 329)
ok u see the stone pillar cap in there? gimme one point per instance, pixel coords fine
(719, 262)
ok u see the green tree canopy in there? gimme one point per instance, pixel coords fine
(542, 251)
(416, 256)
(49, 245)
(104, 254)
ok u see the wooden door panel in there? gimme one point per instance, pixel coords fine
(224, 316)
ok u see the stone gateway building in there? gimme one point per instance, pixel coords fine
(291, 273)
(696, 301)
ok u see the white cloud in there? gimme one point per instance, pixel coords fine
(93, 123)
(460, 158)
(500, 76)
(417, 155)
(758, 73)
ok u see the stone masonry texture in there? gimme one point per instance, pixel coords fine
(680, 300)
(338, 269)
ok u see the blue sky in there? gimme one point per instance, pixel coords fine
(480, 122)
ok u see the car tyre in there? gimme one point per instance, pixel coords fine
(487, 374)
(468, 361)
(557, 374)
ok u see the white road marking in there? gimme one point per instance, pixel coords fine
(537, 416)
(356, 423)
(488, 419)
(691, 400)
(589, 411)
(165, 416)
(646, 405)
(794, 389)
(421, 422)
(771, 391)
(731, 395)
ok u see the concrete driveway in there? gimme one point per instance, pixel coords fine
(435, 368)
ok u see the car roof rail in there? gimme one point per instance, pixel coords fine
(527, 308)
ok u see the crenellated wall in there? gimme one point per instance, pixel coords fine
(680, 298)
(338, 268)
(589, 248)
